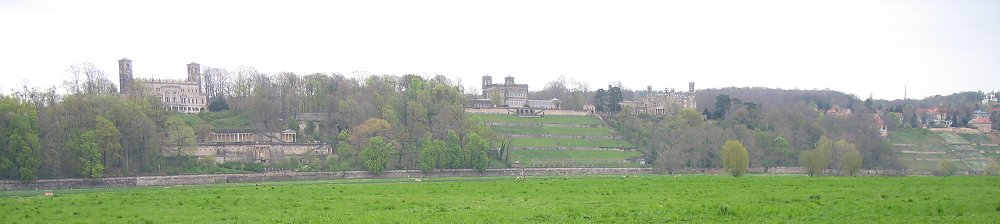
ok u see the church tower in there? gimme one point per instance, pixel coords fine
(124, 75)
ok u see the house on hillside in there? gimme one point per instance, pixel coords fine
(590, 108)
(836, 110)
(934, 117)
(983, 124)
(883, 130)
(979, 114)
(990, 98)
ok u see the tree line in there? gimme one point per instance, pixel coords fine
(86, 129)
(778, 128)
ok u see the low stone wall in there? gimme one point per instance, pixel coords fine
(10, 185)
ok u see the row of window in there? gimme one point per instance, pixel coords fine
(174, 92)
(509, 94)
(183, 100)
(186, 109)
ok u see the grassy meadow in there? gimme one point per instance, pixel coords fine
(558, 142)
(539, 130)
(548, 119)
(574, 158)
(642, 199)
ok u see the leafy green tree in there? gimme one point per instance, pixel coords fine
(180, 136)
(782, 147)
(946, 168)
(109, 140)
(430, 153)
(90, 155)
(722, 103)
(218, 104)
(775, 150)
(19, 142)
(600, 100)
(476, 147)
(496, 98)
(293, 124)
(816, 160)
(346, 151)
(453, 151)
(850, 158)
(851, 162)
(735, 159)
(310, 128)
(615, 98)
(376, 154)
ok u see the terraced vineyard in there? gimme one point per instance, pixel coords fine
(922, 149)
(562, 141)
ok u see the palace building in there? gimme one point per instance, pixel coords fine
(180, 95)
(510, 95)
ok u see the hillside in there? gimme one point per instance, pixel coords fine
(922, 149)
(562, 141)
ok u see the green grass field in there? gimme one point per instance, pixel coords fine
(537, 130)
(574, 158)
(549, 119)
(952, 138)
(917, 136)
(975, 138)
(545, 142)
(572, 154)
(643, 199)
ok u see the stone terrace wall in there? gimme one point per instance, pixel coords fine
(547, 112)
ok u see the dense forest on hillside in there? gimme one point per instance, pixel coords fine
(86, 129)
(91, 131)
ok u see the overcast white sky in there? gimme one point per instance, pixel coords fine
(859, 47)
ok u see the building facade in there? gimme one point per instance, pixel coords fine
(509, 94)
(250, 136)
(662, 103)
(180, 95)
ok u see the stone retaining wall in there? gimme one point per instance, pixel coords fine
(569, 148)
(592, 137)
(528, 124)
(547, 112)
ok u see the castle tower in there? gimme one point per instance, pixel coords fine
(124, 75)
(194, 74)
(509, 80)
(690, 87)
(487, 81)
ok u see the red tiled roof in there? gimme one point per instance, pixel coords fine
(982, 120)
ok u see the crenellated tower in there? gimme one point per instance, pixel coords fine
(124, 75)
(194, 74)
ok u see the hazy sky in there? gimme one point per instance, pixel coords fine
(859, 47)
